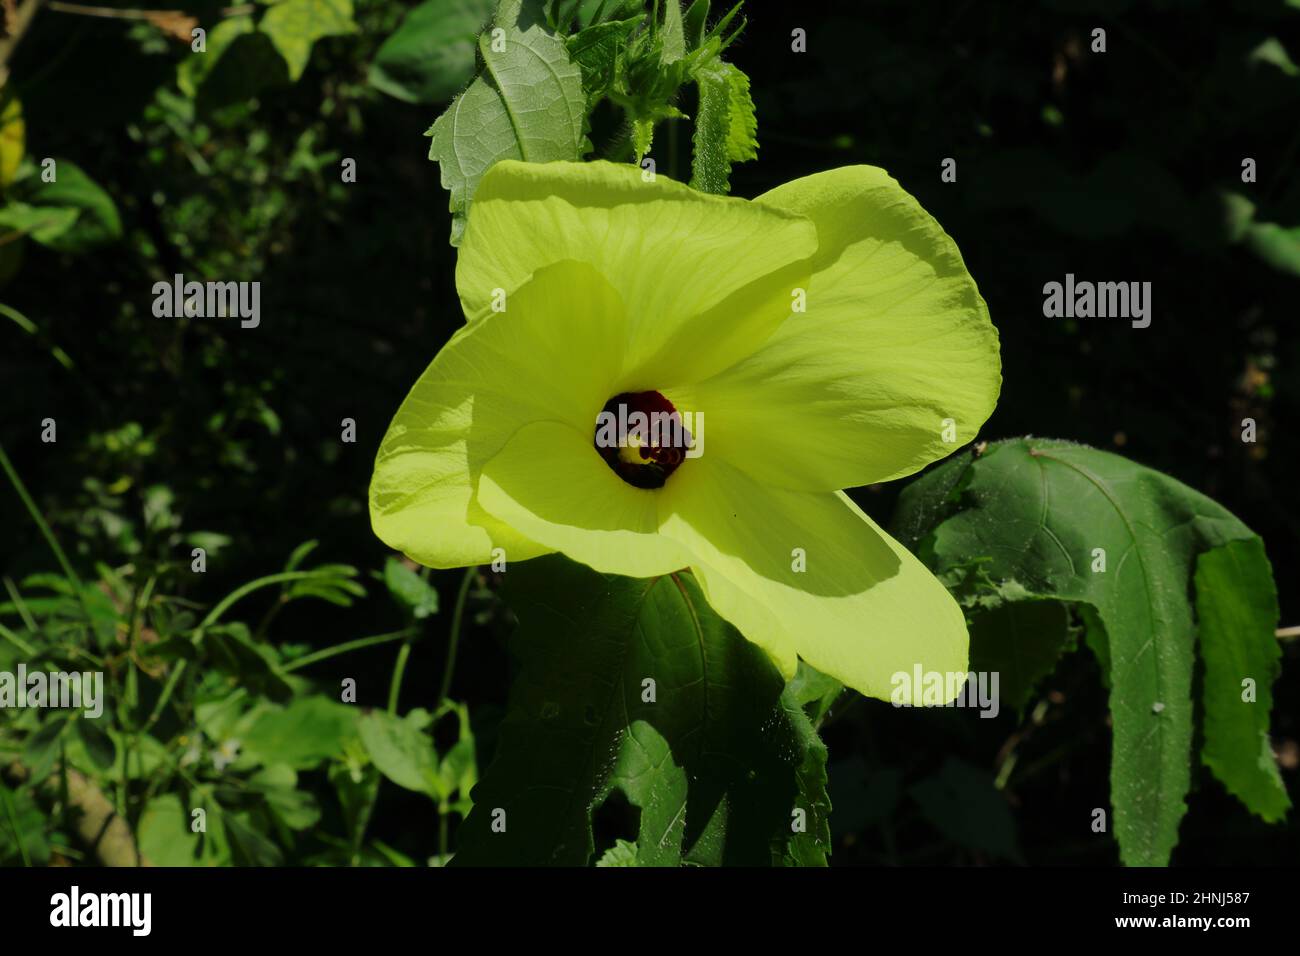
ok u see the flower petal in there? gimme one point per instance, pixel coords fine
(553, 355)
(705, 278)
(895, 341)
(550, 483)
(863, 610)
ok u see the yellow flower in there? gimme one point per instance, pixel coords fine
(828, 335)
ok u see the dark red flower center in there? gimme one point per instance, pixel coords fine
(641, 437)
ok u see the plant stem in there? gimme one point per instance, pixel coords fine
(221, 607)
(308, 659)
(117, 13)
(224, 605)
(457, 615)
(17, 641)
(27, 325)
(30, 505)
(399, 668)
(213, 615)
(28, 621)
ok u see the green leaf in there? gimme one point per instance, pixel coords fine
(71, 214)
(196, 67)
(597, 51)
(695, 23)
(13, 135)
(1272, 52)
(99, 745)
(300, 554)
(1279, 247)
(409, 589)
(725, 127)
(230, 649)
(814, 691)
(278, 784)
(294, 26)
(638, 686)
(41, 751)
(1236, 607)
(673, 33)
(622, 853)
(458, 769)
(248, 845)
(22, 829)
(164, 833)
(527, 104)
(431, 55)
(402, 751)
(309, 730)
(355, 787)
(1025, 520)
(1021, 641)
(45, 224)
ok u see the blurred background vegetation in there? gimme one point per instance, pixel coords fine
(182, 433)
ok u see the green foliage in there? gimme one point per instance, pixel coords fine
(1022, 640)
(194, 69)
(655, 696)
(547, 67)
(70, 214)
(1275, 245)
(431, 55)
(1236, 610)
(725, 130)
(526, 104)
(403, 752)
(245, 53)
(410, 589)
(172, 436)
(622, 853)
(1127, 547)
(598, 50)
(294, 26)
(202, 714)
(300, 735)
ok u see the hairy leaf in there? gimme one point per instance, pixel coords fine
(725, 127)
(651, 694)
(1034, 518)
(1236, 605)
(597, 50)
(527, 104)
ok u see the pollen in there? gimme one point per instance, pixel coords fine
(641, 437)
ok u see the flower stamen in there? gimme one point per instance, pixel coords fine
(641, 437)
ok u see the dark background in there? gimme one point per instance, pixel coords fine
(1106, 165)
